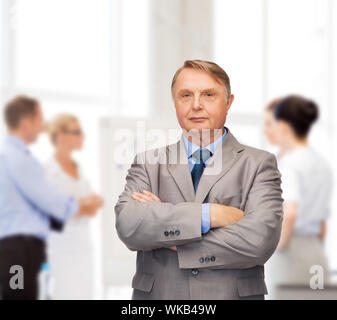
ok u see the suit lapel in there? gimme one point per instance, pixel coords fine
(225, 156)
(179, 169)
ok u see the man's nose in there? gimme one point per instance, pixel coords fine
(196, 102)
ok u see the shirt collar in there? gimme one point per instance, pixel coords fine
(190, 147)
(17, 142)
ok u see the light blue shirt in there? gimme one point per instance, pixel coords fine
(190, 149)
(26, 199)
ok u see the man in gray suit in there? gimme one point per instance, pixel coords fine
(204, 214)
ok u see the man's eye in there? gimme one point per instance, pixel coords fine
(186, 95)
(209, 94)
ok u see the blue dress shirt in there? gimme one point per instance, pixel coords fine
(26, 200)
(190, 149)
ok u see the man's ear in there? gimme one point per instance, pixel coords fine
(229, 102)
(23, 123)
(26, 123)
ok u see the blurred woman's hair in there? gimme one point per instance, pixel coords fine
(299, 112)
(59, 124)
(272, 104)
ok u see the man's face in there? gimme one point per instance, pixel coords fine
(33, 126)
(200, 101)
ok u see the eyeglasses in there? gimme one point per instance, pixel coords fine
(74, 132)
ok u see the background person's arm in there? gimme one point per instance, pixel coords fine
(29, 177)
(89, 205)
(323, 230)
(250, 241)
(289, 219)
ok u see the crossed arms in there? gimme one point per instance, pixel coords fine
(241, 243)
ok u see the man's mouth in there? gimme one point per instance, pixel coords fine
(198, 119)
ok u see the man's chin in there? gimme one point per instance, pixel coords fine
(200, 129)
(194, 126)
(205, 133)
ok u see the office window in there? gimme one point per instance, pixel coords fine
(86, 48)
(2, 45)
(63, 46)
(1, 37)
(298, 49)
(238, 48)
(135, 48)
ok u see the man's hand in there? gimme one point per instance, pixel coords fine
(145, 196)
(222, 216)
(89, 205)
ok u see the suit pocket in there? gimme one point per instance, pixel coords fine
(251, 287)
(143, 281)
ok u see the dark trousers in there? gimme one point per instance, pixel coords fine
(27, 252)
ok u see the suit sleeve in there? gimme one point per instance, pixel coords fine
(152, 225)
(250, 241)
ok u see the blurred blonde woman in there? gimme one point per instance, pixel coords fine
(307, 190)
(71, 253)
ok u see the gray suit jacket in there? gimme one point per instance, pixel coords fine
(225, 263)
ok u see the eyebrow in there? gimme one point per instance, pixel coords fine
(189, 90)
(210, 89)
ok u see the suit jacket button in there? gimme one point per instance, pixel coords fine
(207, 259)
(171, 233)
(166, 233)
(195, 272)
(177, 232)
(212, 258)
(201, 260)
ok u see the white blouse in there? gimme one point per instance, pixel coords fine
(71, 253)
(307, 180)
(77, 233)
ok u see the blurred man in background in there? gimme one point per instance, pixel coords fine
(29, 207)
